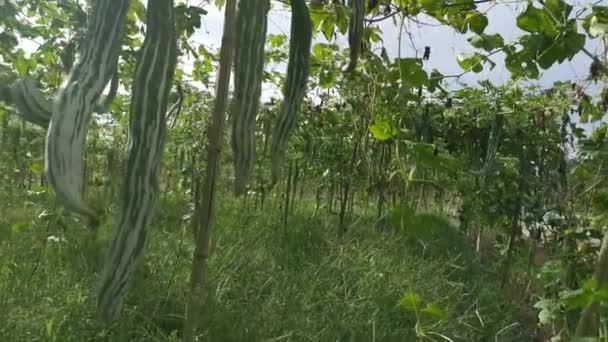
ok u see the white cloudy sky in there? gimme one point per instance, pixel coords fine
(446, 44)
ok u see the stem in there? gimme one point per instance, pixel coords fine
(215, 135)
(588, 325)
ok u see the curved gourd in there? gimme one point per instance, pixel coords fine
(77, 99)
(30, 102)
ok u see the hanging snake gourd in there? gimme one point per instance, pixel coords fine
(34, 106)
(355, 31)
(76, 100)
(492, 146)
(30, 102)
(252, 23)
(295, 84)
(147, 125)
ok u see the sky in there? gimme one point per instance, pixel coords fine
(445, 43)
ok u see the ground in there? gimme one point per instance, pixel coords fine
(266, 283)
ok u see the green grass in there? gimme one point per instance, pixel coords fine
(264, 285)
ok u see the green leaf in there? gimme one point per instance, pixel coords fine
(487, 42)
(590, 110)
(317, 15)
(37, 168)
(596, 24)
(549, 310)
(410, 301)
(328, 27)
(559, 9)
(327, 78)
(341, 18)
(576, 299)
(18, 226)
(384, 55)
(21, 63)
(276, 40)
(425, 156)
(521, 63)
(470, 63)
(431, 5)
(434, 80)
(434, 312)
(412, 74)
(477, 22)
(597, 28)
(535, 20)
(602, 294)
(8, 40)
(383, 130)
(573, 43)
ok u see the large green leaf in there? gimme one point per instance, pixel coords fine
(487, 42)
(477, 21)
(383, 130)
(521, 63)
(412, 74)
(427, 156)
(558, 9)
(536, 20)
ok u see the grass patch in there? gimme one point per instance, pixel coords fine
(265, 284)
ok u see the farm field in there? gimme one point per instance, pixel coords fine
(303, 170)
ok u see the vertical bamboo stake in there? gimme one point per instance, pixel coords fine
(287, 195)
(215, 135)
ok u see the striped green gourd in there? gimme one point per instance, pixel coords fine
(77, 99)
(147, 126)
(295, 84)
(30, 102)
(492, 146)
(493, 141)
(251, 23)
(355, 31)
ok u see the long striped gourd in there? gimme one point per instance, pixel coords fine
(35, 108)
(493, 141)
(78, 97)
(251, 23)
(30, 102)
(492, 145)
(295, 84)
(355, 31)
(147, 126)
